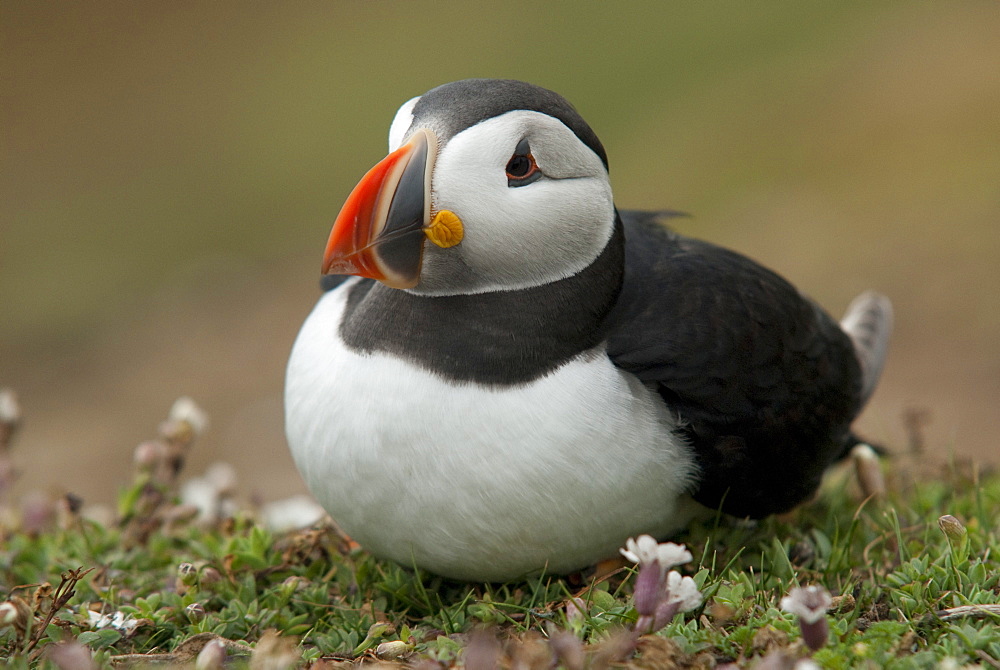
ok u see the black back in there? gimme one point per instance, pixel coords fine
(764, 380)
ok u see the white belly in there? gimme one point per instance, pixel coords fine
(481, 483)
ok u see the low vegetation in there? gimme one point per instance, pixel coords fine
(905, 578)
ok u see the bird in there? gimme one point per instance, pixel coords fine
(508, 376)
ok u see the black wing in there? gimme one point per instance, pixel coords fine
(765, 382)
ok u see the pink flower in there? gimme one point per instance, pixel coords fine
(659, 595)
(810, 604)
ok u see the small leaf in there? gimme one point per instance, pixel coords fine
(88, 637)
(108, 636)
(603, 600)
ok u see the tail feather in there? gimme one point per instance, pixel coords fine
(868, 322)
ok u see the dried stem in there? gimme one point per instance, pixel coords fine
(60, 597)
(969, 611)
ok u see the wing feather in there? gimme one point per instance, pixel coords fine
(765, 381)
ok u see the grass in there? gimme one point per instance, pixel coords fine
(155, 586)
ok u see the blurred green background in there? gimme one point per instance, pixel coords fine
(171, 170)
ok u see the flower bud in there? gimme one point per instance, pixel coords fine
(953, 528)
(148, 455)
(869, 471)
(294, 583)
(212, 656)
(37, 512)
(392, 650)
(576, 611)
(376, 631)
(195, 612)
(648, 588)
(187, 576)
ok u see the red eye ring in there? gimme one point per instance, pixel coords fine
(521, 167)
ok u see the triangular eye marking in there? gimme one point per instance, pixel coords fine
(522, 168)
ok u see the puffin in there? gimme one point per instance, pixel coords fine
(506, 375)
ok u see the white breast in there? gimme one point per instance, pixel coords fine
(480, 483)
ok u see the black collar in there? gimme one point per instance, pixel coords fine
(500, 338)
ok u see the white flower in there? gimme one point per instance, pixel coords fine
(810, 603)
(293, 513)
(8, 613)
(119, 621)
(683, 591)
(680, 594)
(645, 550)
(187, 410)
(200, 493)
(641, 551)
(211, 493)
(10, 408)
(657, 596)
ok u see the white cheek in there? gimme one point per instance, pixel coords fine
(557, 227)
(517, 237)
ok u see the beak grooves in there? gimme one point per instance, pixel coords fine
(379, 231)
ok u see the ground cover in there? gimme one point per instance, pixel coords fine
(913, 575)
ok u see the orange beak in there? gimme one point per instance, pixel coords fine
(380, 233)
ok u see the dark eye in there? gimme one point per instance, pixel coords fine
(522, 168)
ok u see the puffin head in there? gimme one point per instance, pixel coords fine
(489, 185)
